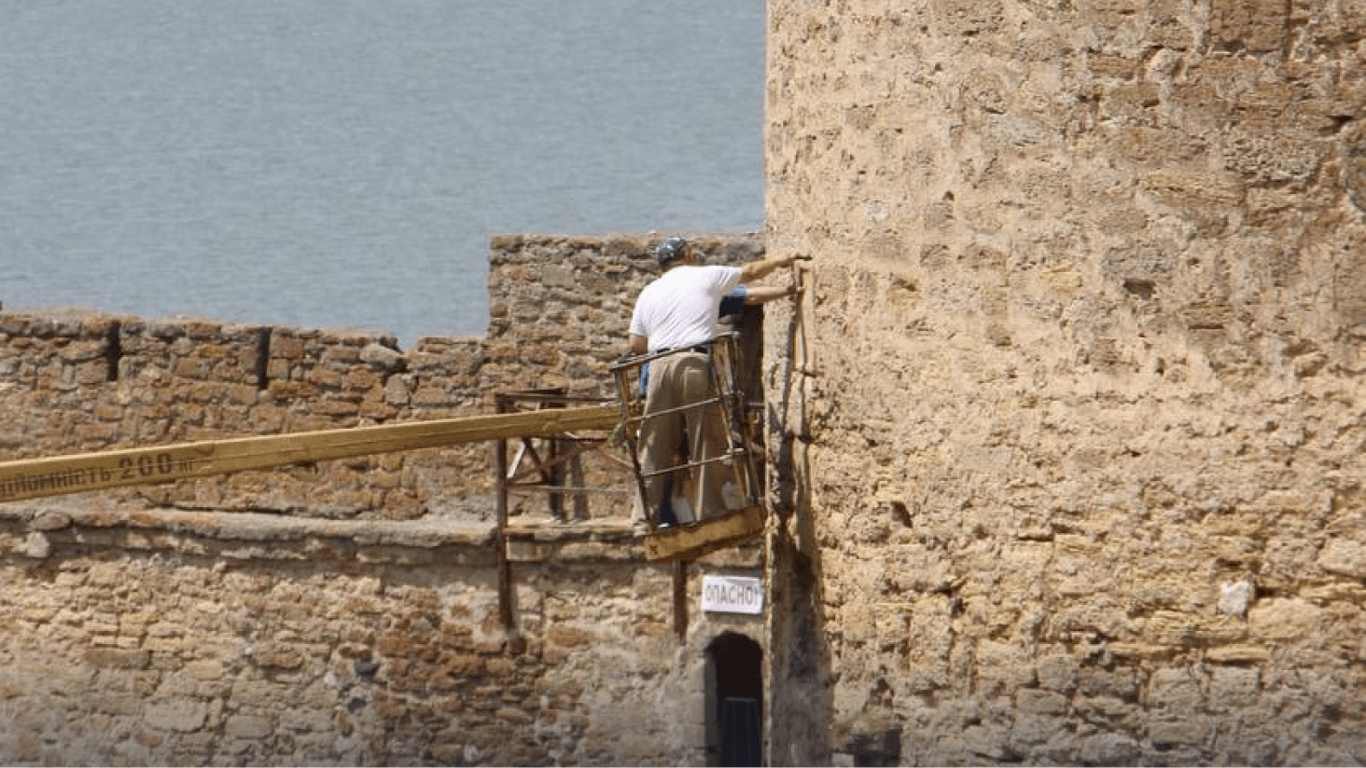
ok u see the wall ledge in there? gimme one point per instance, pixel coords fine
(37, 531)
(248, 526)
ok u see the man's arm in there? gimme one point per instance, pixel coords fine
(755, 270)
(763, 294)
(639, 345)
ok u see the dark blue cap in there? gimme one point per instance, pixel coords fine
(670, 249)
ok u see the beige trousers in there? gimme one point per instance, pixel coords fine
(677, 381)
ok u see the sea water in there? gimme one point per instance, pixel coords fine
(343, 163)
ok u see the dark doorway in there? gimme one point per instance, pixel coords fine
(735, 701)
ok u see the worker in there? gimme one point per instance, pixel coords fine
(678, 312)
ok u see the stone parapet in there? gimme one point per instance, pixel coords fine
(77, 382)
(367, 611)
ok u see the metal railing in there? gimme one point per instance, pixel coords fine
(725, 401)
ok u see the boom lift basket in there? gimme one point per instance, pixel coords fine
(743, 516)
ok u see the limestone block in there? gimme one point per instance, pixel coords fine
(1109, 749)
(118, 658)
(1166, 734)
(1194, 191)
(247, 727)
(117, 705)
(1031, 730)
(1317, 754)
(1002, 663)
(1040, 702)
(27, 747)
(1180, 629)
(1248, 25)
(182, 715)
(1234, 598)
(1283, 619)
(37, 546)
(1233, 687)
(1057, 672)
(967, 17)
(989, 741)
(1344, 556)
(1238, 654)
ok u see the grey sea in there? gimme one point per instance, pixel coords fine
(343, 163)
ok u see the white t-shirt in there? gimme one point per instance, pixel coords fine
(679, 309)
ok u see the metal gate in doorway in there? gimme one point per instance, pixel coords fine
(742, 732)
(735, 695)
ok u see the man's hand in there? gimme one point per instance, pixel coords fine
(758, 269)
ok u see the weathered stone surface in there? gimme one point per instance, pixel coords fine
(183, 715)
(1051, 244)
(358, 619)
(1066, 446)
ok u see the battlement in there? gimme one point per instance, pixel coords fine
(78, 382)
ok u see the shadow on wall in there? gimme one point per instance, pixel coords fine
(799, 665)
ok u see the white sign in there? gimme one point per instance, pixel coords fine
(732, 594)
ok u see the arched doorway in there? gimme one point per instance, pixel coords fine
(735, 700)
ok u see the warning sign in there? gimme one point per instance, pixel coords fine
(732, 594)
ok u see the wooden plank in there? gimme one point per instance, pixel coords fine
(680, 595)
(53, 476)
(686, 542)
(505, 593)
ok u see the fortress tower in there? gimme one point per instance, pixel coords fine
(1064, 448)
(1076, 414)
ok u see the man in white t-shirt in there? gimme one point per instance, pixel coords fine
(678, 311)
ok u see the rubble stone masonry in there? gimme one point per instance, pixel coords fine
(349, 612)
(1078, 416)
(1066, 445)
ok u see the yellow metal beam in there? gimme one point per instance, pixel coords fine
(54, 476)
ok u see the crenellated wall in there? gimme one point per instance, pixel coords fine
(73, 382)
(1066, 445)
(352, 612)
(1078, 424)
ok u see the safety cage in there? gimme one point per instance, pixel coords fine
(679, 490)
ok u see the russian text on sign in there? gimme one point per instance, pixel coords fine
(732, 594)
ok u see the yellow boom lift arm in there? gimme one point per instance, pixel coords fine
(33, 478)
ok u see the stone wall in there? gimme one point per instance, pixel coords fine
(83, 382)
(559, 306)
(1079, 384)
(354, 612)
(74, 382)
(186, 638)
